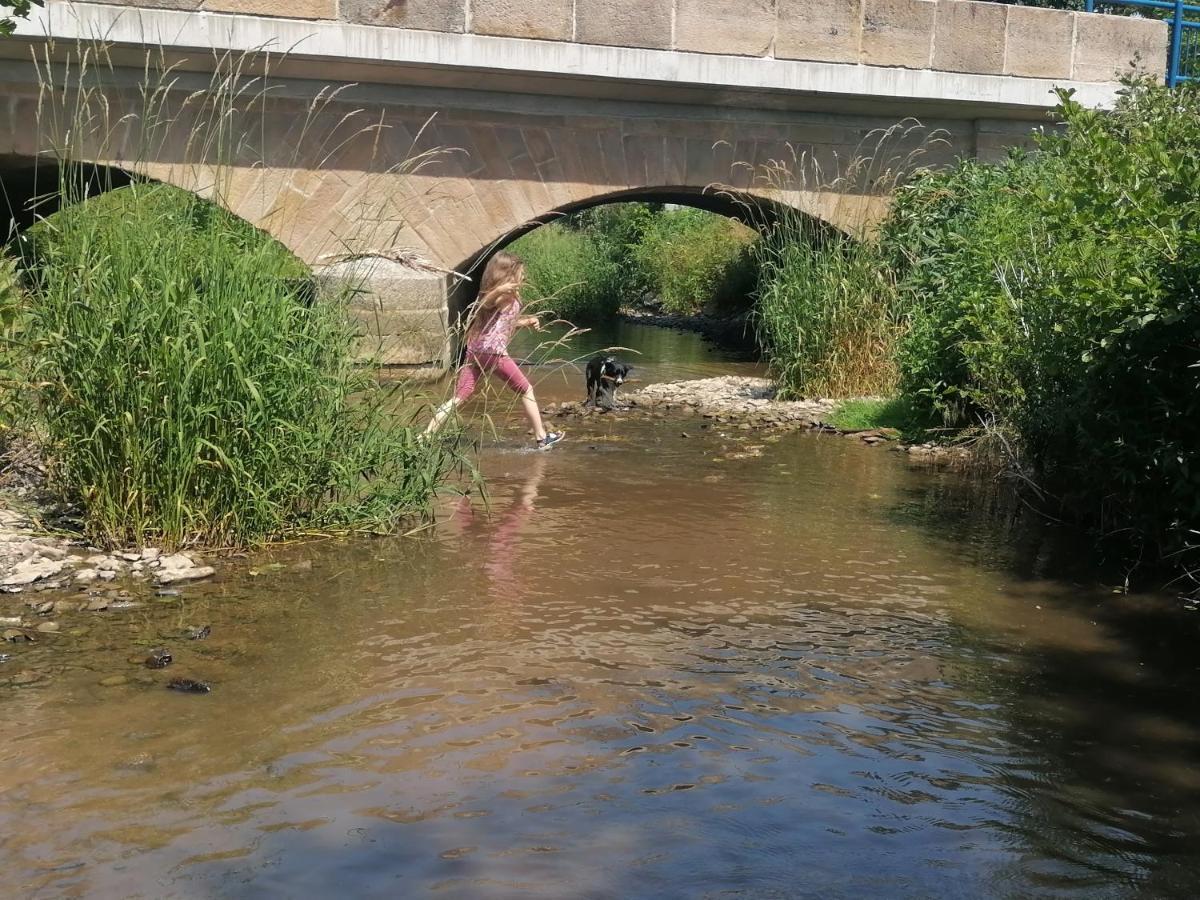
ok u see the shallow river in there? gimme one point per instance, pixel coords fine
(661, 666)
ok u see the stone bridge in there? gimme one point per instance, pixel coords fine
(415, 137)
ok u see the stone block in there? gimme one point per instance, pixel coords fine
(408, 348)
(158, 4)
(545, 20)
(382, 285)
(732, 27)
(289, 9)
(1107, 47)
(969, 37)
(624, 23)
(426, 15)
(824, 30)
(898, 32)
(1038, 42)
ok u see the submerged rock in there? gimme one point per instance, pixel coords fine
(113, 681)
(198, 634)
(159, 658)
(189, 686)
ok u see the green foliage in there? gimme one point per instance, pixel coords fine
(1057, 296)
(20, 9)
(828, 311)
(588, 265)
(897, 413)
(568, 273)
(14, 356)
(694, 260)
(193, 389)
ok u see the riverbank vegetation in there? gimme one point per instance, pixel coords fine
(683, 261)
(1052, 301)
(190, 387)
(184, 378)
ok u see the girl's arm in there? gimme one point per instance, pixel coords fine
(529, 322)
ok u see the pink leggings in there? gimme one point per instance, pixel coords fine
(499, 364)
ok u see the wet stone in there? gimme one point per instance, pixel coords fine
(189, 686)
(198, 634)
(159, 658)
(113, 681)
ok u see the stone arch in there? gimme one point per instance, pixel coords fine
(754, 209)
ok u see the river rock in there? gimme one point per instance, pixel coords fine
(86, 576)
(48, 628)
(97, 604)
(180, 567)
(113, 681)
(27, 676)
(159, 659)
(189, 686)
(17, 636)
(32, 569)
(150, 554)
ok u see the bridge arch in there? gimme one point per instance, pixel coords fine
(751, 209)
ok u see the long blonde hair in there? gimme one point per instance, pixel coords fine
(498, 289)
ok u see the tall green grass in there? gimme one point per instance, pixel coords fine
(189, 382)
(829, 310)
(569, 273)
(192, 388)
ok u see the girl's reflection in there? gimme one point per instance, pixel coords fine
(501, 532)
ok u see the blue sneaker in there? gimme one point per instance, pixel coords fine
(551, 438)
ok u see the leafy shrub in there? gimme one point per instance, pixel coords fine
(588, 265)
(695, 261)
(193, 389)
(1058, 296)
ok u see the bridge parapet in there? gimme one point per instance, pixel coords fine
(941, 35)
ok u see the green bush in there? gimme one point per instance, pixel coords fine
(191, 387)
(695, 261)
(1057, 297)
(14, 357)
(589, 265)
(569, 273)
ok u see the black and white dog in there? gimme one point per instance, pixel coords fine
(604, 375)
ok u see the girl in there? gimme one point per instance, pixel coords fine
(496, 315)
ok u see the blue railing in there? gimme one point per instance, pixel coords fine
(1183, 59)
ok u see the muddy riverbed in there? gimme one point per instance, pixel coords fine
(654, 665)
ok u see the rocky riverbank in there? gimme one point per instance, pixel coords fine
(728, 331)
(32, 561)
(751, 403)
(732, 398)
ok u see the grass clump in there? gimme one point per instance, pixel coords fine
(829, 313)
(192, 388)
(879, 414)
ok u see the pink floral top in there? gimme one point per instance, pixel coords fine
(494, 336)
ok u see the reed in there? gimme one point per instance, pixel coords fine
(829, 312)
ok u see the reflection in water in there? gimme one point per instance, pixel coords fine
(646, 669)
(499, 544)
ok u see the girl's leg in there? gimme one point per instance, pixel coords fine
(468, 378)
(510, 373)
